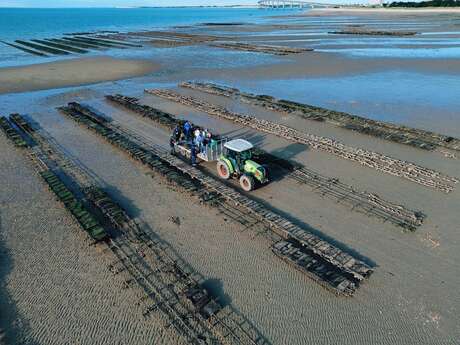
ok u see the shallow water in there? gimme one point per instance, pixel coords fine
(22, 23)
(413, 99)
(384, 93)
(405, 53)
(32, 23)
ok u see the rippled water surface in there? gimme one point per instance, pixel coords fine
(388, 93)
(26, 24)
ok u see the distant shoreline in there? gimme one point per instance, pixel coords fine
(228, 6)
(128, 7)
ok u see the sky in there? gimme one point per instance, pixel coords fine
(118, 3)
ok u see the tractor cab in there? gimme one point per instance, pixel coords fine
(238, 151)
(236, 160)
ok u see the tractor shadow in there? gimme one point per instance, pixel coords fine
(280, 161)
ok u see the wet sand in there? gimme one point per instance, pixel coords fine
(318, 64)
(70, 73)
(410, 298)
(58, 290)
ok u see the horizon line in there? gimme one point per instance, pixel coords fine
(130, 7)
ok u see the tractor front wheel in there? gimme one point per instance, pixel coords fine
(222, 170)
(247, 182)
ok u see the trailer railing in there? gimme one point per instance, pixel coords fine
(208, 153)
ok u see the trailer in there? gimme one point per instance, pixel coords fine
(209, 153)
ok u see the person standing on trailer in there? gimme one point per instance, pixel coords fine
(187, 130)
(177, 132)
(206, 140)
(199, 141)
(193, 154)
(175, 137)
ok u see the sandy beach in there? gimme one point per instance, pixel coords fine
(71, 73)
(56, 288)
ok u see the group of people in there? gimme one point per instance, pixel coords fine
(196, 138)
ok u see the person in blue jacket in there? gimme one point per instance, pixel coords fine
(187, 130)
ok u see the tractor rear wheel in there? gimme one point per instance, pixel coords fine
(222, 170)
(247, 183)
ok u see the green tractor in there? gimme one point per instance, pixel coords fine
(235, 161)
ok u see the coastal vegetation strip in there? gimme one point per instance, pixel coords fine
(424, 176)
(368, 203)
(337, 269)
(401, 134)
(423, 4)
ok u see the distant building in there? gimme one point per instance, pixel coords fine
(376, 2)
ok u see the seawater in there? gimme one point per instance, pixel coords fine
(34, 23)
(22, 23)
(417, 97)
(428, 101)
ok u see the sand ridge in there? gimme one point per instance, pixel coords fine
(71, 72)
